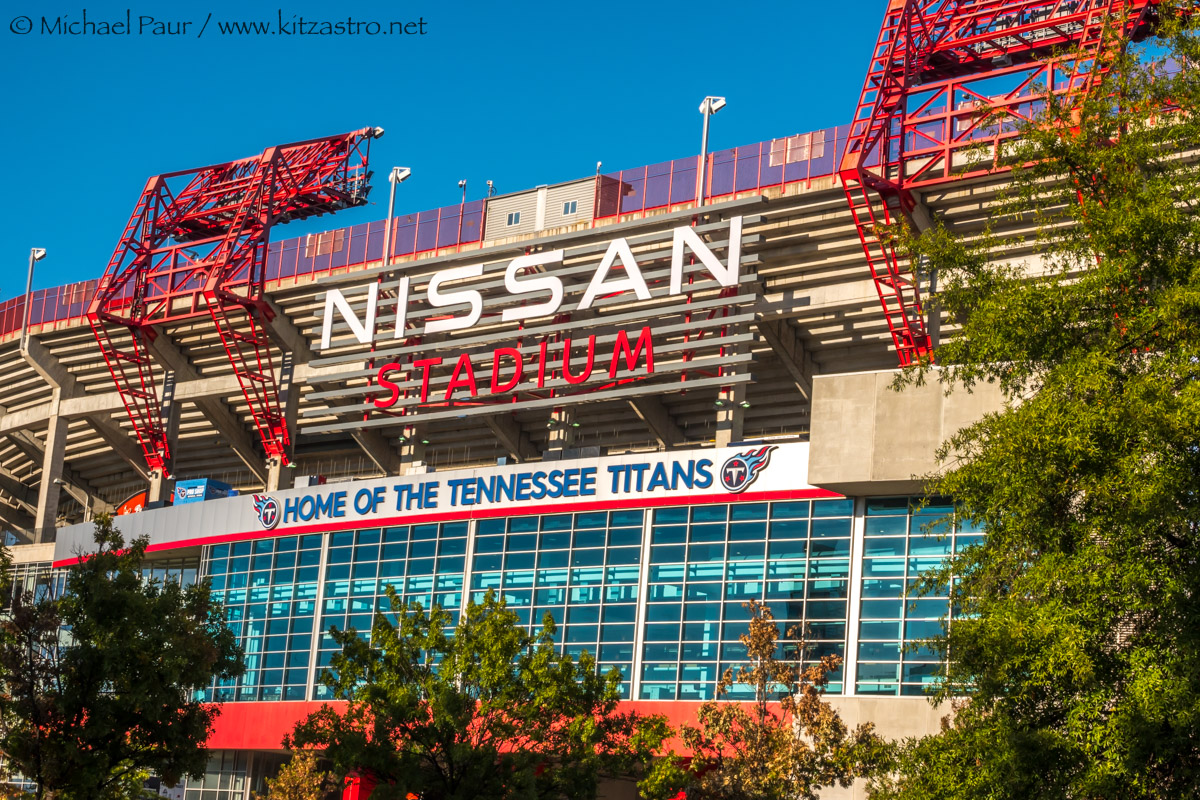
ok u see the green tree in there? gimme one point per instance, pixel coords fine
(300, 779)
(488, 712)
(97, 685)
(1077, 642)
(785, 744)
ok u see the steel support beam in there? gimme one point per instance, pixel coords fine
(650, 410)
(730, 415)
(786, 343)
(232, 431)
(511, 436)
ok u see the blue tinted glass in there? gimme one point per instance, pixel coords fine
(746, 511)
(887, 505)
(745, 551)
(554, 558)
(619, 518)
(520, 543)
(709, 513)
(620, 537)
(556, 522)
(522, 524)
(833, 508)
(670, 516)
(790, 509)
(823, 548)
(706, 552)
(707, 533)
(787, 548)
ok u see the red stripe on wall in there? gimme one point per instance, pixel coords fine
(262, 725)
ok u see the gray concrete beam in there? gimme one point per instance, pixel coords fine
(45, 364)
(730, 415)
(413, 446)
(785, 341)
(17, 522)
(24, 495)
(562, 429)
(218, 414)
(650, 410)
(49, 485)
(511, 436)
(75, 484)
(285, 333)
(121, 443)
(377, 448)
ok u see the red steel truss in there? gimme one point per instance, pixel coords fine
(937, 65)
(196, 246)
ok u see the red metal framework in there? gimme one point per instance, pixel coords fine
(936, 67)
(196, 246)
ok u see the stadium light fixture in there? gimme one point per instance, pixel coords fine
(709, 106)
(398, 175)
(36, 254)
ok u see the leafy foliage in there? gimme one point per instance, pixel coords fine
(788, 743)
(1078, 645)
(300, 779)
(488, 712)
(97, 684)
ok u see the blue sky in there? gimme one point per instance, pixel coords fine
(519, 93)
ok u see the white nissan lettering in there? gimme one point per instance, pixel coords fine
(526, 278)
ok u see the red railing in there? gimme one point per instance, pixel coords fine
(793, 159)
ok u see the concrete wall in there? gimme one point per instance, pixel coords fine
(894, 717)
(867, 439)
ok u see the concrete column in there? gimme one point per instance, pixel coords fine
(278, 476)
(50, 487)
(162, 483)
(412, 451)
(730, 414)
(562, 429)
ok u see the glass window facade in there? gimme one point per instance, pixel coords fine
(582, 569)
(269, 590)
(36, 578)
(706, 562)
(658, 593)
(899, 545)
(424, 563)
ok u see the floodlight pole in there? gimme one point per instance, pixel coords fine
(708, 107)
(398, 175)
(36, 254)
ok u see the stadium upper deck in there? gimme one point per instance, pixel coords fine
(806, 307)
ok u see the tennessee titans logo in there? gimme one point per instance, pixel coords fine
(742, 469)
(267, 509)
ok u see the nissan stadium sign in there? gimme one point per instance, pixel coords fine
(435, 338)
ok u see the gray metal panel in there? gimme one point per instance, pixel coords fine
(498, 209)
(582, 193)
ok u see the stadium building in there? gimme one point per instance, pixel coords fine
(633, 401)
